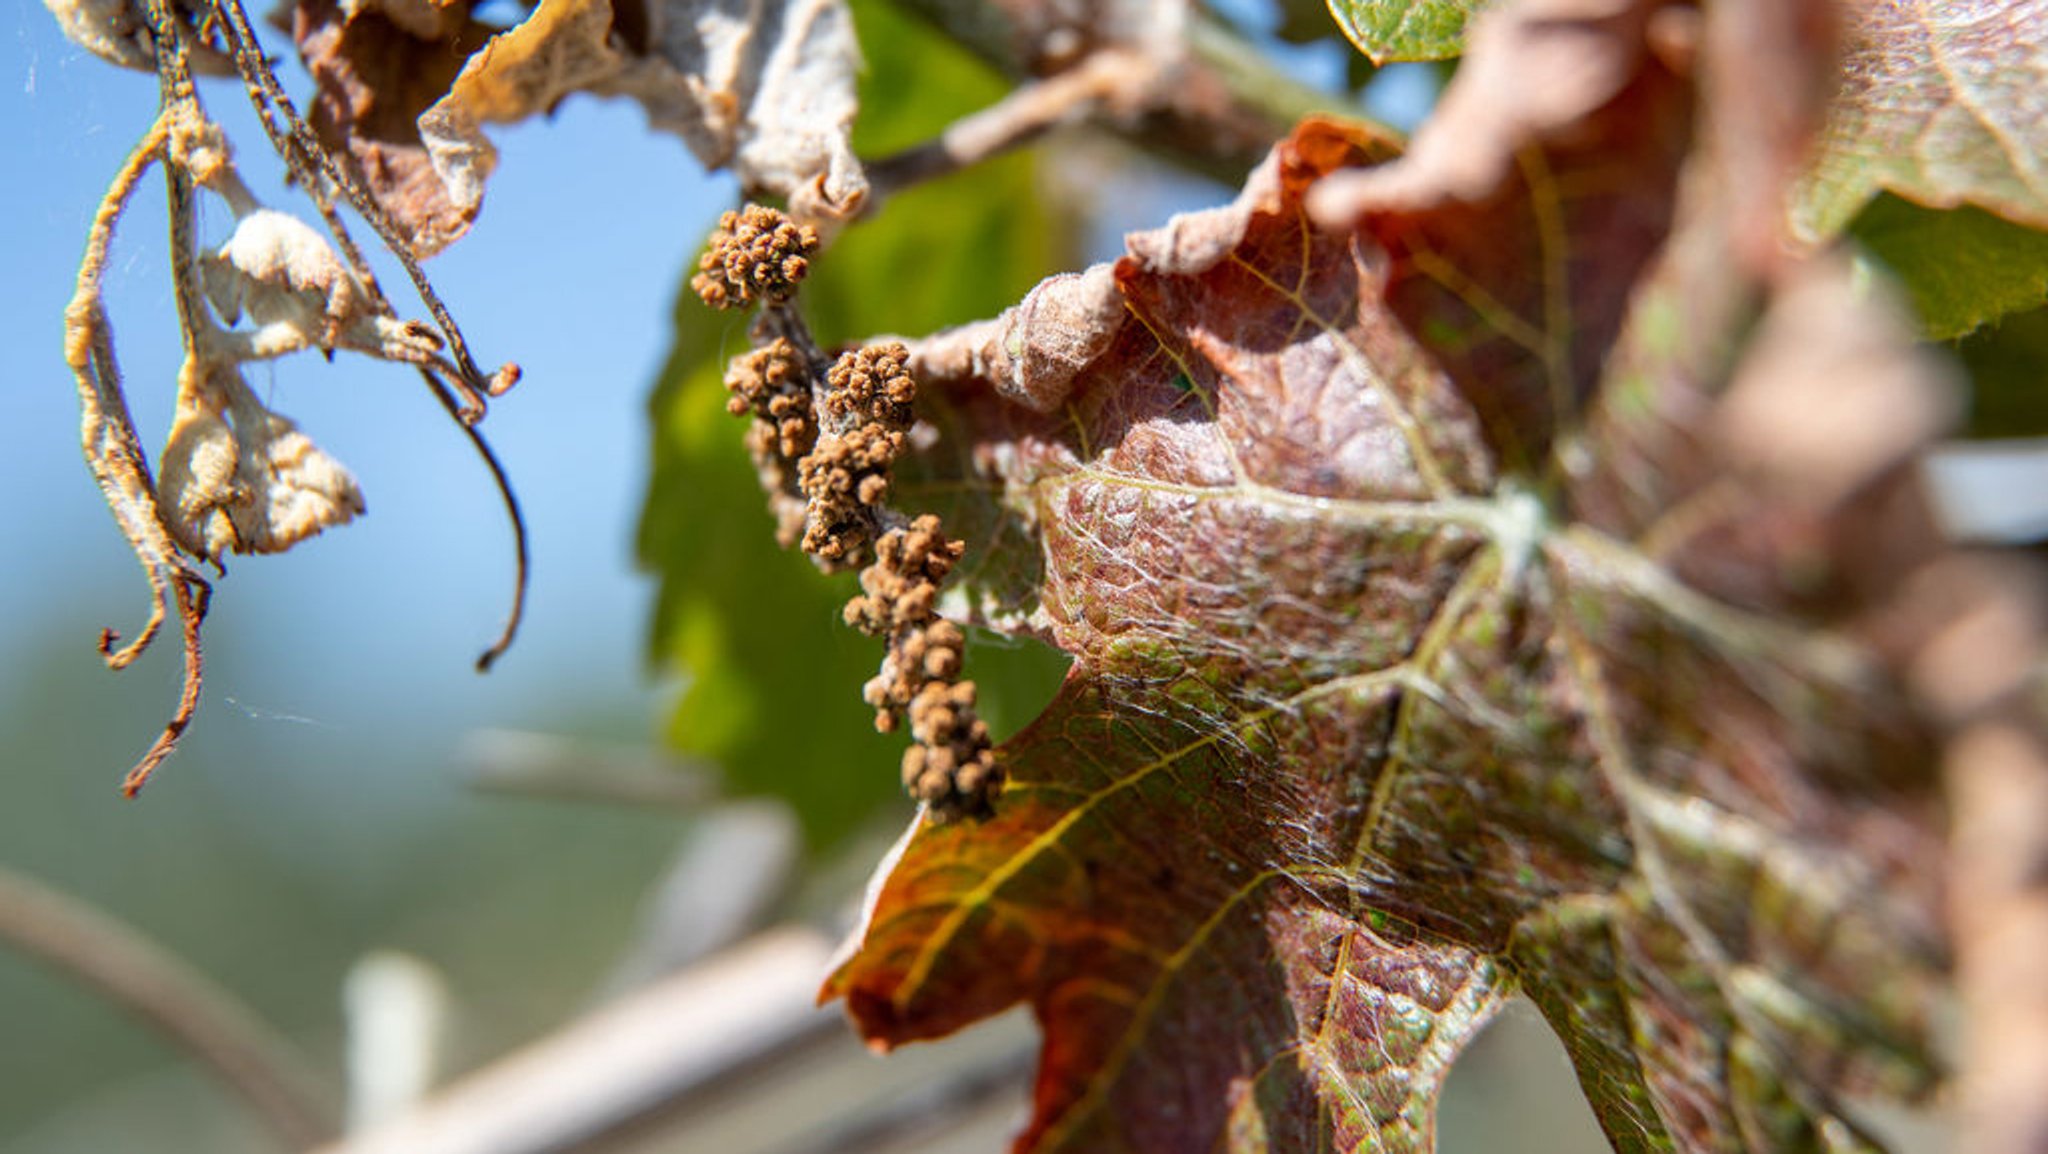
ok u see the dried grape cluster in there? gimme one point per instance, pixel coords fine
(845, 478)
(757, 253)
(769, 383)
(951, 765)
(824, 441)
(772, 383)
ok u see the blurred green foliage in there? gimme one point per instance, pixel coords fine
(1963, 267)
(774, 677)
(2008, 365)
(1388, 30)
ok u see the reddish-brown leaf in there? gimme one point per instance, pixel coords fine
(1941, 105)
(1458, 606)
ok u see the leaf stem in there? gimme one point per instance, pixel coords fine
(1104, 78)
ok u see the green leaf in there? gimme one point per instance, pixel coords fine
(1387, 30)
(1963, 268)
(773, 687)
(1941, 104)
(2008, 366)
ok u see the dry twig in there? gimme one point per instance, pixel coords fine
(1111, 80)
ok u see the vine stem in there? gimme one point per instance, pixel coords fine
(522, 569)
(97, 951)
(1221, 109)
(1106, 79)
(114, 452)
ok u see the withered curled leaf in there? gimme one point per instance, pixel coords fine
(764, 89)
(238, 478)
(376, 68)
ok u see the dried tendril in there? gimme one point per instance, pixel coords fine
(234, 476)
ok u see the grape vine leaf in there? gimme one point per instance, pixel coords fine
(1936, 108)
(1964, 268)
(1487, 596)
(1388, 30)
(1939, 106)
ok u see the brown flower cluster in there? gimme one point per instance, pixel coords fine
(951, 766)
(845, 477)
(770, 383)
(824, 456)
(757, 253)
(773, 385)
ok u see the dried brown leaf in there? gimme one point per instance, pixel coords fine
(764, 90)
(1532, 71)
(374, 75)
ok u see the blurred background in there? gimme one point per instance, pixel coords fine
(327, 807)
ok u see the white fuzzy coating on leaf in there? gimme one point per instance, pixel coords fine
(196, 482)
(238, 478)
(794, 136)
(281, 273)
(1033, 352)
(299, 489)
(109, 29)
(284, 252)
(1062, 326)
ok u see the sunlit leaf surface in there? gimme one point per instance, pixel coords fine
(1446, 622)
(1941, 105)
